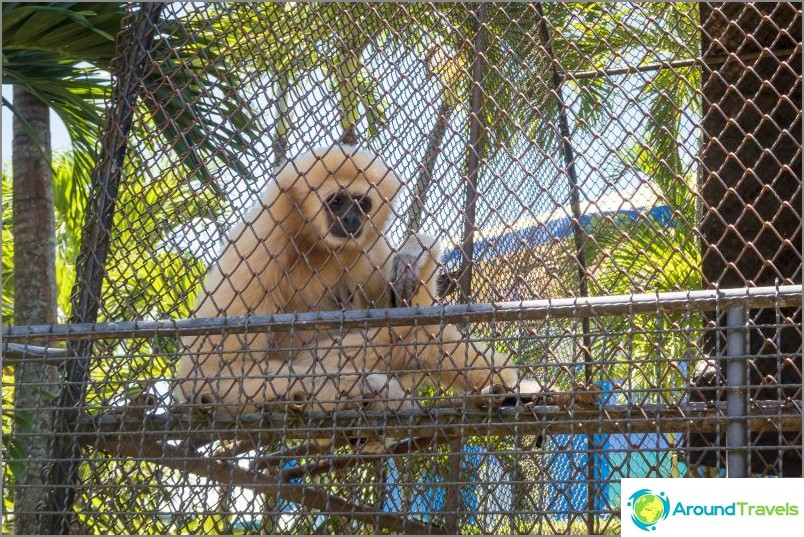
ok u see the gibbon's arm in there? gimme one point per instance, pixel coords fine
(246, 277)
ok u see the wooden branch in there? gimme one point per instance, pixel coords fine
(408, 445)
(144, 438)
(304, 450)
(191, 461)
(332, 464)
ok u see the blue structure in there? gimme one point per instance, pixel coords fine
(525, 237)
(614, 457)
(429, 494)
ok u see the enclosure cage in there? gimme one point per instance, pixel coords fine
(616, 189)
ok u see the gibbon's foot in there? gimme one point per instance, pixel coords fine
(498, 394)
(381, 392)
(527, 392)
(373, 391)
(492, 396)
(199, 402)
(582, 395)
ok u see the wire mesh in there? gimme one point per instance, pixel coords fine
(427, 267)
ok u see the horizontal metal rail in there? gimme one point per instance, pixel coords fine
(16, 352)
(580, 307)
(677, 64)
(450, 419)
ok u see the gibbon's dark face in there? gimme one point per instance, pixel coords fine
(347, 213)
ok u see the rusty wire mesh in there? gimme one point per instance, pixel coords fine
(606, 181)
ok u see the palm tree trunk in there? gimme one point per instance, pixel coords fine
(34, 296)
(751, 198)
(578, 235)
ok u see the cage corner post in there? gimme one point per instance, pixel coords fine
(134, 45)
(737, 460)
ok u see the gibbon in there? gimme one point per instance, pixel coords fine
(316, 241)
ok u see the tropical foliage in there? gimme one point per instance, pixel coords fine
(61, 53)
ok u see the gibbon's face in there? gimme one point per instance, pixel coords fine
(347, 213)
(350, 215)
(343, 195)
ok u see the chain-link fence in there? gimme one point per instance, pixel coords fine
(410, 267)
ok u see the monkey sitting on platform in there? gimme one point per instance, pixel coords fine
(316, 241)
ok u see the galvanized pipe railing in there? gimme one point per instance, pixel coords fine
(526, 310)
(737, 391)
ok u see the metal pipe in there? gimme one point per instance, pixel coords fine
(16, 352)
(450, 421)
(476, 131)
(527, 310)
(737, 391)
(677, 64)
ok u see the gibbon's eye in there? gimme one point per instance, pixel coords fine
(365, 204)
(336, 202)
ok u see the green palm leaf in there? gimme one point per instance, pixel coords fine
(58, 52)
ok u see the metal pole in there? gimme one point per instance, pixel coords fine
(476, 131)
(579, 239)
(737, 390)
(66, 452)
(526, 310)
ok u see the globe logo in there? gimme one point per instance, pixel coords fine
(648, 508)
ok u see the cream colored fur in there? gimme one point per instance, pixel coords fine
(281, 259)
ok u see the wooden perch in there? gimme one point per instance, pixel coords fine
(145, 438)
(309, 497)
(448, 417)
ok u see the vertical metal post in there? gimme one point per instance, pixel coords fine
(452, 502)
(578, 236)
(476, 132)
(65, 452)
(737, 391)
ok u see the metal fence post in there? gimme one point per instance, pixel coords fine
(737, 383)
(477, 131)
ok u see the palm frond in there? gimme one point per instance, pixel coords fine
(83, 31)
(57, 52)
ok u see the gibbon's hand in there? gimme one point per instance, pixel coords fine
(404, 278)
(413, 267)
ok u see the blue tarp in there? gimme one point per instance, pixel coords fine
(428, 495)
(544, 233)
